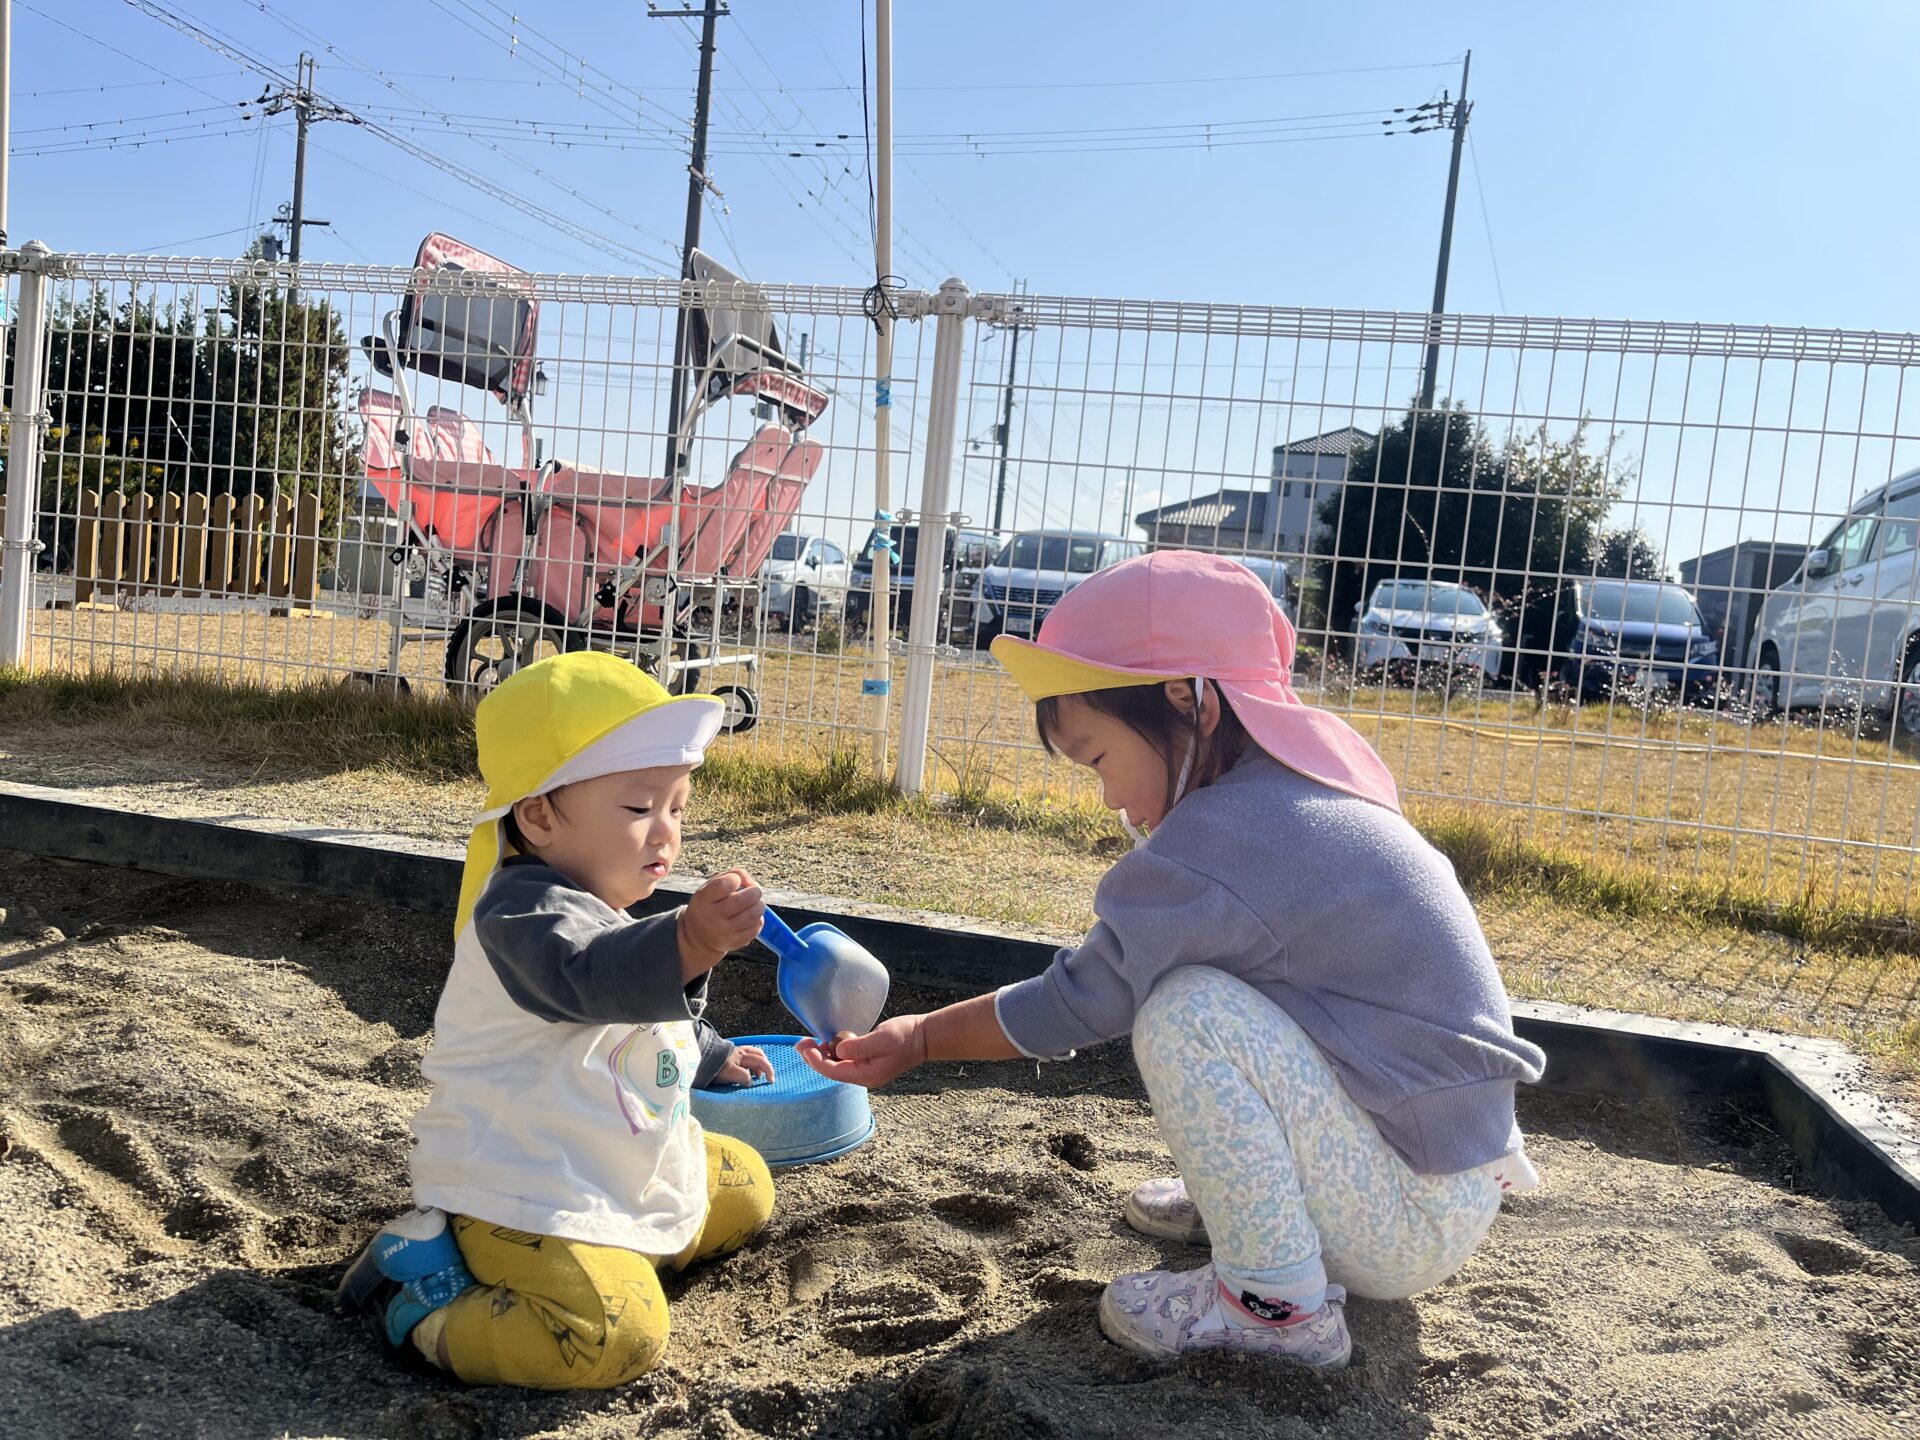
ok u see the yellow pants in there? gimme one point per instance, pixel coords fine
(564, 1315)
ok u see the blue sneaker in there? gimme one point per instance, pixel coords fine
(405, 1273)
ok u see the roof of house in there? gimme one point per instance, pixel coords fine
(1222, 510)
(1246, 510)
(1334, 442)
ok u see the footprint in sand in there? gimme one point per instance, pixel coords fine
(908, 1312)
(1518, 1307)
(986, 1213)
(1820, 1255)
(104, 1142)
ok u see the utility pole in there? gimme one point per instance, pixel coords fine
(1460, 111)
(306, 110)
(1005, 436)
(697, 184)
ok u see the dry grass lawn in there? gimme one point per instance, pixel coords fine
(1795, 814)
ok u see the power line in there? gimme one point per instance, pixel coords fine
(91, 125)
(560, 68)
(354, 62)
(1486, 220)
(131, 141)
(834, 65)
(122, 84)
(192, 240)
(231, 50)
(1190, 80)
(140, 61)
(781, 181)
(411, 188)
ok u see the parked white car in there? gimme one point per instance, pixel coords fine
(1845, 631)
(803, 576)
(1426, 622)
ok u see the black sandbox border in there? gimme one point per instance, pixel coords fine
(1853, 1145)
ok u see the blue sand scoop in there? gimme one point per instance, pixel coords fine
(798, 1117)
(828, 980)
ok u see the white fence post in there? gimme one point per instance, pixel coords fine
(18, 542)
(930, 565)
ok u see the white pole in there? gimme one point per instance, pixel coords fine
(6, 108)
(879, 670)
(18, 543)
(930, 569)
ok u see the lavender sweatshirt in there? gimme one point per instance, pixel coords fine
(1336, 910)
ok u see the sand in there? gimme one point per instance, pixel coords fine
(203, 1101)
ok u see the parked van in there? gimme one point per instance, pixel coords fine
(1845, 631)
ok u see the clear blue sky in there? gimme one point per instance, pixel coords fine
(1665, 161)
(1681, 161)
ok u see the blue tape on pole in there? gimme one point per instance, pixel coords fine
(876, 687)
(883, 393)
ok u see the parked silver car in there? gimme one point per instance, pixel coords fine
(1426, 622)
(1845, 631)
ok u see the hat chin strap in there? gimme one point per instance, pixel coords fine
(1140, 836)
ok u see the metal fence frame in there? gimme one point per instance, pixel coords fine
(1829, 812)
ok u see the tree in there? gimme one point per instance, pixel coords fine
(1630, 555)
(1431, 498)
(249, 398)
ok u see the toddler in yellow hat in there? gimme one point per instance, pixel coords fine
(557, 1164)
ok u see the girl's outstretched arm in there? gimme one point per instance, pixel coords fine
(967, 1031)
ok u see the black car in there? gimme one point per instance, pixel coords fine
(1640, 634)
(968, 551)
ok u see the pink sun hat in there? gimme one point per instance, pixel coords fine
(1176, 615)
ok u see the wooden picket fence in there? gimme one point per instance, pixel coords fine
(196, 545)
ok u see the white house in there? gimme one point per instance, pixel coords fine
(1282, 519)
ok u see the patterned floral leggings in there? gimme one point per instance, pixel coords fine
(1293, 1180)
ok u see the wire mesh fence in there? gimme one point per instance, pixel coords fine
(1651, 591)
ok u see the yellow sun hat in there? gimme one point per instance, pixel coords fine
(566, 719)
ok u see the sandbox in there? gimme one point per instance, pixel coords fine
(205, 1100)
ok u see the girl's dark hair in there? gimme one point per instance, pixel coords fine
(1146, 710)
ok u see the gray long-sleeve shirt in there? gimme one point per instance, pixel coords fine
(566, 955)
(1339, 912)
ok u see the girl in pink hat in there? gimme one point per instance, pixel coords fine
(1324, 1036)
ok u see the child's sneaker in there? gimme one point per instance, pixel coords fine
(1163, 1208)
(407, 1271)
(1163, 1313)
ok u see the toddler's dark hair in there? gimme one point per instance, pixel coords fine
(1146, 710)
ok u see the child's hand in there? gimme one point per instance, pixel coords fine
(723, 916)
(882, 1055)
(747, 1062)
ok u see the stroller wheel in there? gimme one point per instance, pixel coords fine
(498, 639)
(743, 708)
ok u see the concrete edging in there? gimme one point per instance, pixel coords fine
(1853, 1143)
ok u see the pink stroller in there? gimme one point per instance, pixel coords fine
(550, 557)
